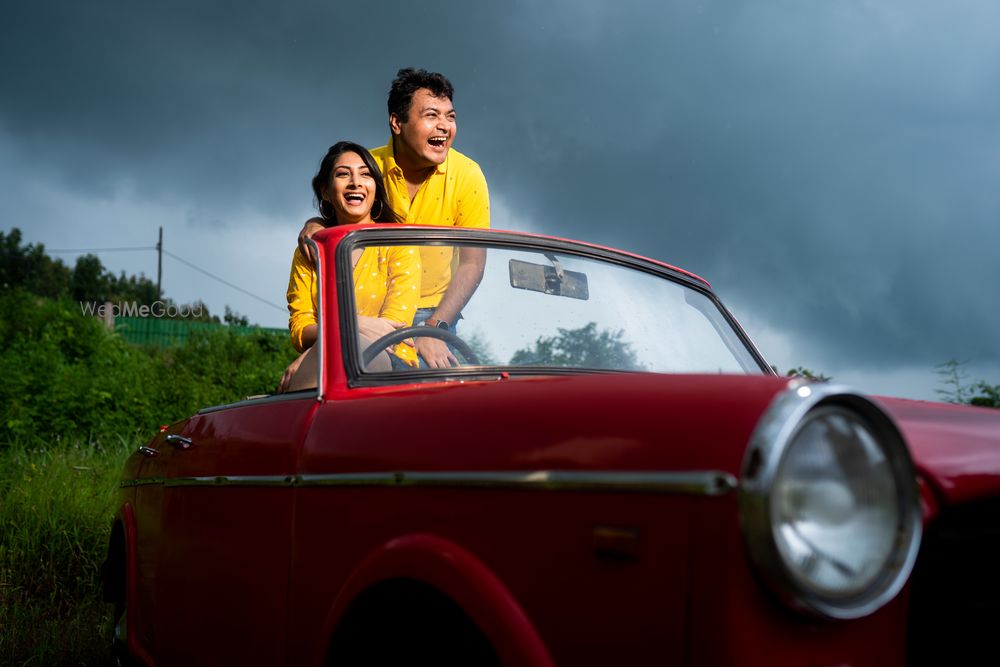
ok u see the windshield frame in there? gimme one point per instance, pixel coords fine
(398, 234)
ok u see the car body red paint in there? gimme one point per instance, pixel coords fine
(497, 488)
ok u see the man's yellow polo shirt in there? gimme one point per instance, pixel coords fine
(454, 195)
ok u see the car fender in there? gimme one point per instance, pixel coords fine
(461, 576)
(126, 517)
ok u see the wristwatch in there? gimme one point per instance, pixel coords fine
(435, 322)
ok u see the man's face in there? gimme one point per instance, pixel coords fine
(424, 138)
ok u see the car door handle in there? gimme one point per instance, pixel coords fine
(148, 451)
(179, 441)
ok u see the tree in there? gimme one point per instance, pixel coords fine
(90, 280)
(585, 347)
(480, 345)
(987, 396)
(29, 268)
(132, 288)
(234, 319)
(953, 376)
(957, 390)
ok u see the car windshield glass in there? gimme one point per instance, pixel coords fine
(539, 308)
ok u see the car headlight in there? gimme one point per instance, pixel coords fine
(829, 502)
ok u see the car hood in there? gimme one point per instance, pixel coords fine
(694, 422)
(955, 447)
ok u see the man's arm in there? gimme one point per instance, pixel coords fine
(312, 226)
(465, 280)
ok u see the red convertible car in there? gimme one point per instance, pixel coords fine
(612, 476)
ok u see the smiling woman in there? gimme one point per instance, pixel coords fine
(348, 187)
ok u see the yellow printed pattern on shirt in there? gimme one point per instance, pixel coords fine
(386, 284)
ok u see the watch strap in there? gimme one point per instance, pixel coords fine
(435, 322)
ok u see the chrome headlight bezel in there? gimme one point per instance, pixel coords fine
(769, 447)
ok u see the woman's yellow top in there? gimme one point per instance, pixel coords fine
(386, 284)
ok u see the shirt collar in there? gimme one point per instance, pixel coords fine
(392, 165)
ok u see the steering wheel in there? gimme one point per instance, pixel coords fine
(419, 331)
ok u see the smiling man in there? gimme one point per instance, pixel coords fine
(431, 183)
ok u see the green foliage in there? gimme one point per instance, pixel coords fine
(74, 401)
(953, 375)
(985, 395)
(90, 281)
(585, 347)
(70, 388)
(803, 372)
(28, 268)
(956, 389)
(234, 319)
(481, 346)
(66, 376)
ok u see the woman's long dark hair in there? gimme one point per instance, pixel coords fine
(321, 181)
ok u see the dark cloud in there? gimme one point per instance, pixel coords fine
(830, 167)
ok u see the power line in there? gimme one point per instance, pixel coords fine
(70, 250)
(223, 281)
(179, 259)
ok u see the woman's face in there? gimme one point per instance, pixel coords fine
(351, 190)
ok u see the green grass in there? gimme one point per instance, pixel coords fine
(70, 387)
(56, 508)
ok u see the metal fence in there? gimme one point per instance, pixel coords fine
(165, 333)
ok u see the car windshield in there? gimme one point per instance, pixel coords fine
(558, 309)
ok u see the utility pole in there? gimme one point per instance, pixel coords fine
(159, 265)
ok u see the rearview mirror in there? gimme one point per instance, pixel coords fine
(549, 279)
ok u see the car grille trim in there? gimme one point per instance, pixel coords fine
(707, 483)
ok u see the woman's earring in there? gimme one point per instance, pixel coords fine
(379, 202)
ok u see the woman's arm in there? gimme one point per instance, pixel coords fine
(301, 297)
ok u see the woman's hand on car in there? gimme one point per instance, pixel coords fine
(376, 327)
(286, 378)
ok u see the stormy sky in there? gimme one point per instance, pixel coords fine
(832, 167)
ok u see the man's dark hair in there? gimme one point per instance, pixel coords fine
(409, 81)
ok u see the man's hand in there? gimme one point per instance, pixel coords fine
(435, 352)
(312, 226)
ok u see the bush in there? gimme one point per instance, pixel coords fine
(957, 390)
(985, 395)
(76, 399)
(67, 377)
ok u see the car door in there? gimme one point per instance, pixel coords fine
(225, 513)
